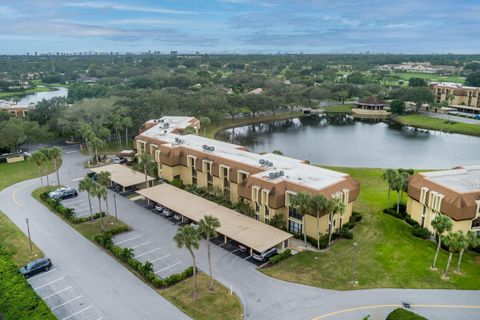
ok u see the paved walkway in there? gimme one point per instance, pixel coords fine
(120, 295)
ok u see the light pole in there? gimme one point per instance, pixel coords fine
(355, 245)
(29, 237)
(115, 205)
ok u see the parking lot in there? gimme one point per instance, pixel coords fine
(62, 296)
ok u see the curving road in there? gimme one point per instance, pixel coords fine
(118, 294)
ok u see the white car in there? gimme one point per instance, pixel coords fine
(167, 213)
(159, 208)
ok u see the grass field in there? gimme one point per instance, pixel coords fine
(388, 256)
(338, 109)
(429, 77)
(426, 122)
(113, 147)
(210, 305)
(12, 173)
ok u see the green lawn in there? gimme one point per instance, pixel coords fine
(212, 129)
(426, 122)
(12, 173)
(388, 256)
(113, 147)
(210, 305)
(429, 77)
(339, 109)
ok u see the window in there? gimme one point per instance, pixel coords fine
(294, 227)
(476, 223)
(267, 211)
(257, 207)
(293, 213)
(423, 222)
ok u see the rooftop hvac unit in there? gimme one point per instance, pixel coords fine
(277, 175)
(281, 173)
(205, 147)
(161, 120)
(165, 131)
(261, 161)
(212, 148)
(165, 125)
(270, 164)
(271, 175)
(155, 120)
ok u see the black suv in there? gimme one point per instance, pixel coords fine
(34, 267)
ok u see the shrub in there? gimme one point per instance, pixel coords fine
(176, 183)
(344, 233)
(420, 232)
(410, 221)
(355, 217)
(402, 314)
(393, 212)
(105, 240)
(279, 257)
(349, 225)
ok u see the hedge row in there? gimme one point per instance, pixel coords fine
(402, 314)
(126, 256)
(279, 257)
(17, 298)
(68, 213)
(417, 230)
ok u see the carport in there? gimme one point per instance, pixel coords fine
(125, 176)
(249, 232)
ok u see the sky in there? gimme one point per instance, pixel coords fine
(240, 26)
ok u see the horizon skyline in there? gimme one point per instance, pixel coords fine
(241, 26)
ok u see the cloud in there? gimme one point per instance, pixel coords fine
(124, 7)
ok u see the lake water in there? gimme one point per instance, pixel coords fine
(342, 140)
(39, 96)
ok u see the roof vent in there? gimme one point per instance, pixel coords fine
(166, 125)
(205, 147)
(262, 162)
(281, 173)
(212, 148)
(271, 175)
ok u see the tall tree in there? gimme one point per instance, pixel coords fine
(87, 185)
(38, 158)
(470, 240)
(99, 192)
(56, 156)
(147, 164)
(205, 121)
(302, 203)
(127, 123)
(454, 241)
(441, 223)
(189, 237)
(104, 179)
(208, 226)
(48, 159)
(335, 206)
(389, 176)
(318, 204)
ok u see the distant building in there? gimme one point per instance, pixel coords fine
(423, 67)
(454, 193)
(463, 98)
(17, 110)
(371, 103)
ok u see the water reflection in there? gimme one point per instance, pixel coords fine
(346, 141)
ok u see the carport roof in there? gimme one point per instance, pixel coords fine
(123, 175)
(234, 225)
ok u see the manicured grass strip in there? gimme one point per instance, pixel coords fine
(17, 298)
(12, 173)
(338, 109)
(429, 77)
(426, 122)
(387, 256)
(212, 129)
(219, 304)
(16, 243)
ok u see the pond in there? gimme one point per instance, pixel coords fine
(341, 140)
(39, 96)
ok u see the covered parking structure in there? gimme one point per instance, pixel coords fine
(253, 234)
(126, 177)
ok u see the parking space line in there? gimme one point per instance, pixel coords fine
(43, 274)
(142, 254)
(67, 302)
(141, 244)
(77, 179)
(55, 293)
(49, 283)
(84, 209)
(247, 258)
(126, 240)
(225, 243)
(235, 250)
(73, 151)
(74, 314)
(83, 214)
(69, 203)
(173, 265)
(155, 260)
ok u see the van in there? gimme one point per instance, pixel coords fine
(264, 255)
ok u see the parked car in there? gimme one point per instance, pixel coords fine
(194, 224)
(159, 208)
(177, 216)
(242, 248)
(34, 267)
(63, 193)
(167, 212)
(118, 160)
(264, 255)
(477, 116)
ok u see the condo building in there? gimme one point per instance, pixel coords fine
(455, 193)
(463, 98)
(268, 182)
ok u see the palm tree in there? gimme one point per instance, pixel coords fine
(87, 185)
(99, 192)
(189, 237)
(388, 176)
(318, 204)
(39, 158)
(104, 179)
(47, 161)
(302, 203)
(145, 163)
(335, 206)
(205, 121)
(470, 240)
(56, 156)
(441, 224)
(126, 123)
(208, 226)
(454, 241)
